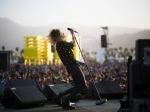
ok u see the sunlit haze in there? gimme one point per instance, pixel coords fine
(124, 13)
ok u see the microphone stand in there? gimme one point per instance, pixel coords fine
(100, 101)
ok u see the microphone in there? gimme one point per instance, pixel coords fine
(71, 29)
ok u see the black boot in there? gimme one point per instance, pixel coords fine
(66, 105)
(58, 99)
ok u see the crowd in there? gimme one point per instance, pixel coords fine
(57, 74)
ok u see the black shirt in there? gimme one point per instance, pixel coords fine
(65, 53)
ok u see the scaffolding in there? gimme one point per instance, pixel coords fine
(38, 51)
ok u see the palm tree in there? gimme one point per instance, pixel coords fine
(132, 51)
(21, 58)
(119, 55)
(11, 55)
(17, 49)
(120, 48)
(106, 54)
(113, 54)
(126, 49)
(21, 52)
(110, 51)
(127, 54)
(109, 54)
(3, 48)
(116, 50)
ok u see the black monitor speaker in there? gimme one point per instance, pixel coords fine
(50, 91)
(107, 89)
(23, 97)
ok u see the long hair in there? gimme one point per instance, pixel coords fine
(54, 36)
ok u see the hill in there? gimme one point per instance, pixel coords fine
(128, 40)
(11, 34)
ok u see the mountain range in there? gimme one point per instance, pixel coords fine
(12, 34)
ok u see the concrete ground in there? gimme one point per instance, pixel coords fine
(87, 105)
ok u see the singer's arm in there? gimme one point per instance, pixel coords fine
(73, 37)
(73, 40)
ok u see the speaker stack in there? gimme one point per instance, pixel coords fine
(50, 91)
(20, 94)
(4, 60)
(23, 97)
(139, 89)
(103, 41)
(107, 89)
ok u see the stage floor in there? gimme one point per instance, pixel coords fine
(88, 105)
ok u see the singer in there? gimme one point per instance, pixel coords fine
(64, 49)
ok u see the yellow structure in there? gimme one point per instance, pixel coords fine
(37, 50)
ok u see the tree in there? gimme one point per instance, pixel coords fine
(17, 49)
(21, 52)
(12, 55)
(132, 51)
(127, 54)
(3, 48)
(106, 54)
(21, 59)
(116, 50)
(126, 49)
(113, 54)
(120, 48)
(110, 52)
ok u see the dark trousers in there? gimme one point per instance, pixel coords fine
(79, 81)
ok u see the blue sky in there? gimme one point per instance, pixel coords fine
(125, 13)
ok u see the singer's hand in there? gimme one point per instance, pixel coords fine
(72, 32)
